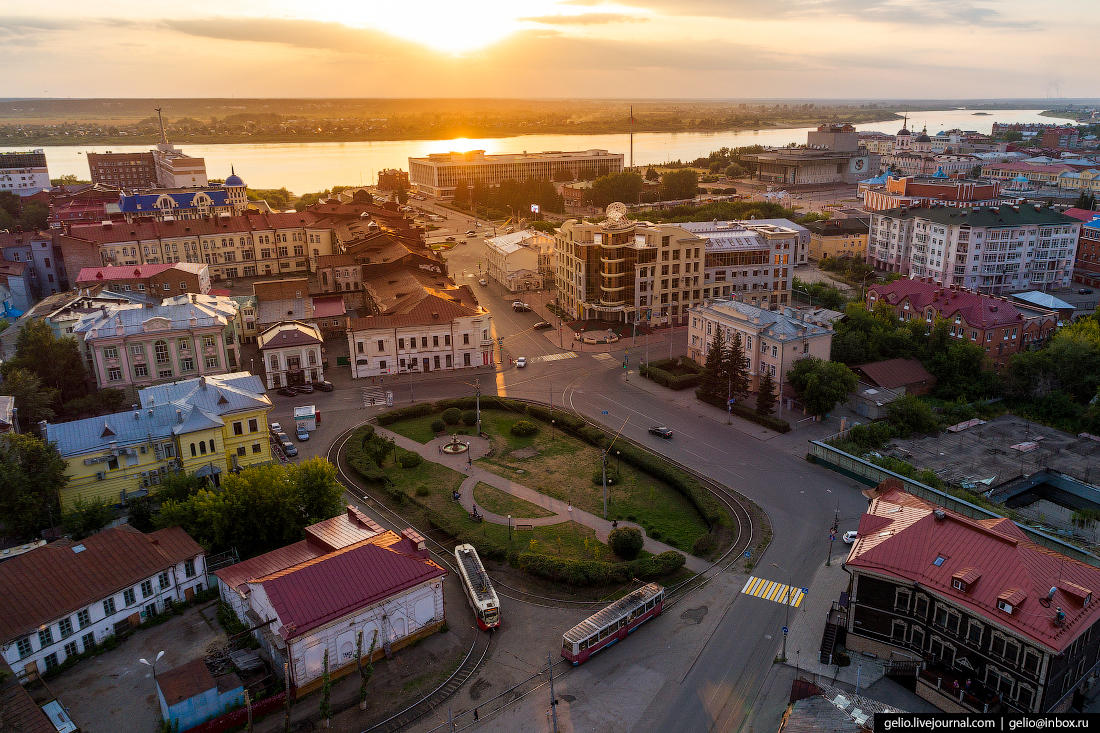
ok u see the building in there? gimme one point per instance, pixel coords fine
(833, 155)
(904, 376)
(878, 143)
(1046, 301)
(735, 252)
(1086, 269)
(81, 204)
(1061, 137)
(134, 347)
(437, 174)
(1042, 176)
(205, 426)
(312, 600)
(24, 173)
(49, 257)
(838, 238)
(521, 260)
(291, 354)
(393, 179)
(1000, 327)
(160, 281)
(289, 300)
(575, 193)
(915, 156)
(773, 340)
(189, 695)
(892, 192)
(167, 204)
(88, 591)
(123, 170)
(993, 249)
(987, 620)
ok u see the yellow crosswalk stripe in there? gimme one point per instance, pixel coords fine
(773, 590)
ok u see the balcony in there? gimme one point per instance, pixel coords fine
(952, 684)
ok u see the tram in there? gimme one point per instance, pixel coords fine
(479, 590)
(605, 627)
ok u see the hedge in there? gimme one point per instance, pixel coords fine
(452, 415)
(358, 459)
(769, 421)
(653, 371)
(598, 572)
(405, 413)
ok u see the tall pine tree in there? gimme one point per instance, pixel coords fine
(737, 368)
(766, 397)
(713, 382)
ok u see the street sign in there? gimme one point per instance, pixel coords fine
(805, 591)
(784, 629)
(604, 412)
(731, 401)
(748, 553)
(832, 537)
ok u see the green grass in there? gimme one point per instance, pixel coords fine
(420, 429)
(504, 504)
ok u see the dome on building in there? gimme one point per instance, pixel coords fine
(234, 179)
(939, 173)
(903, 131)
(923, 138)
(1020, 179)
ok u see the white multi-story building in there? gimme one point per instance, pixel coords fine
(437, 174)
(291, 354)
(521, 260)
(61, 600)
(990, 249)
(25, 173)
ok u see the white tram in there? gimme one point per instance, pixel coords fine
(605, 627)
(479, 590)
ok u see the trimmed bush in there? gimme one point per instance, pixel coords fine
(408, 459)
(452, 415)
(524, 429)
(626, 542)
(469, 418)
(438, 426)
(769, 421)
(704, 545)
(423, 490)
(404, 413)
(672, 373)
(595, 572)
(359, 458)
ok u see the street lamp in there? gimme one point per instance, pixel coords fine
(152, 664)
(786, 609)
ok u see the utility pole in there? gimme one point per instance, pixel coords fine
(553, 699)
(477, 383)
(286, 676)
(832, 533)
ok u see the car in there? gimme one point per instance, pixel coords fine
(287, 391)
(521, 362)
(303, 434)
(304, 389)
(325, 386)
(850, 537)
(282, 437)
(1085, 291)
(449, 239)
(471, 233)
(541, 326)
(275, 428)
(483, 282)
(290, 449)
(520, 307)
(661, 431)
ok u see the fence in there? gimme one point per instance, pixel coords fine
(240, 716)
(872, 475)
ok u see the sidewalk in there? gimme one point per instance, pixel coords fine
(479, 447)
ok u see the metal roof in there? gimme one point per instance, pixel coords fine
(893, 373)
(614, 612)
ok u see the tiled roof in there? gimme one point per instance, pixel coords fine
(289, 288)
(119, 272)
(328, 306)
(21, 712)
(332, 586)
(980, 311)
(894, 373)
(223, 225)
(65, 578)
(288, 334)
(902, 537)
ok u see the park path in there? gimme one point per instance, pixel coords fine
(479, 447)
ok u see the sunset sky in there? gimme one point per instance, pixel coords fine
(549, 48)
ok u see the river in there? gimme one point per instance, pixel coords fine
(306, 167)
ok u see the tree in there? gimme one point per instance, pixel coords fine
(820, 384)
(681, 184)
(325, 707)
(56, 361)
(1085, 201)
(625, 187)
(402, 196)
(365, 670)
(86, 517)
(69, 179)
(765, 396)
(713, 383)
(587, 174)
(179, 486)
(736, 367)
(626, 542)
(32, 473)
(34, 402)
(35, 217)
(651, 175)
(910, 415)
(563, 174)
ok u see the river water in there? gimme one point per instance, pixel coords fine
(306, 167)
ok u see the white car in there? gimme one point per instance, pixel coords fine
(850, 537)
(275, 428)
(482, 281)
(521, 362)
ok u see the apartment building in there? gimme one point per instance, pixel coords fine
(992, 249)
(437, 174)
(521, 260)
(25, 173)
(985, 619)
(1087, 267)
(755, 257)
(50, 257)
(204, 426)
(773, 340)
(1001, 327)
(160, 281)
(838, 238)
(123, 170)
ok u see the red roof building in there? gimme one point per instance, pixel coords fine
(996, 621)
(1001, 327)
(162, 281)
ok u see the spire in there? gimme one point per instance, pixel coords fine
(232, 170)
(160, 118)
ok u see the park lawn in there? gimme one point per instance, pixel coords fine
(436, 479)
(504, 504)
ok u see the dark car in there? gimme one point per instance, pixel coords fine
(661, 431)
(304, 389)
(287, 391)
(323, 386)
(541, 326)
(1085, 291)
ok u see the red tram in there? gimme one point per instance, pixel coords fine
(605, 627)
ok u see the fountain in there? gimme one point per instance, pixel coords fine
(456, 446)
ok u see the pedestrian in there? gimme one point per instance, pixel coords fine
(475, 509)
(475, 709)
(968, 684)
(570, 510)
(440, 449)
(955, 687)
(614, 524)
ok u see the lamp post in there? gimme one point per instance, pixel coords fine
(509, 528)
(833, 530)
(152, 664)
(786, 610)
(477, 384)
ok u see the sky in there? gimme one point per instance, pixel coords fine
(548, 48)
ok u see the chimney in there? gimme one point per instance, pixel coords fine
(179, 416)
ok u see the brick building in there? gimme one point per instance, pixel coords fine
(123, 170)
(162, 281)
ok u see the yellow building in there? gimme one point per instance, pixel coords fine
(205, 426)
(838, 238)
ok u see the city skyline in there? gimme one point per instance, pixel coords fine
(547, 48)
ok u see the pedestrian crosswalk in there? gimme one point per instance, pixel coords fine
(555, 357)
(603, 356)
(771, 590)
(373, 396)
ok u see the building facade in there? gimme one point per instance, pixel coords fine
(291, 354)
(893, 192)
(393, 179)
(86, 592)
(24, 173)
(521, 260)
(773, 340)
(838, 238)
(159, 281)
(123, 170)
(437, 174)
(992, 249)
(1086, 270)
(986, 619)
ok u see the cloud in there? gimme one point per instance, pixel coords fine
(585, 19)
(300, 33)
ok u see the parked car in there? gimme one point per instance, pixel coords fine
(450, 239)
(304, 389)
(324, 386)
(1085, 291)
(287, 391)
(541, 326)
(521, 362)
(661, 431)
(519, 307)
(850, 537)
(290, 449)
(282, 437)
(303, 434)
(482, 281)
(275, 428)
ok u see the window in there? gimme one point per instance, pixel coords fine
(381, 345)
(88, 640)
(211, 362)
(958, 584)
(208, 342)
(128, 597)
(110, 352)
(240, 450)
(45, 637)
(974, 633)
(253, 425)
(238, 428)
(65, 625)
(109, 607)
(137, 349)
(1025, 696)
(187, 365)
(162, 580)
(435, 341)
(114, 374)
(146, 588)
(916, 638)
(51, 661)
(901, 599)
(160, 348)
(255, 448)
(1030, 662)
(939, 560)
(897, 631)
(141, 370)
(189, 568)
(400, 344)
(83, 618)
(24, 646)
(70, 649)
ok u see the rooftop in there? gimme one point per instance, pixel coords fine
(984, 216)
(984, 311)
(781, 325)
